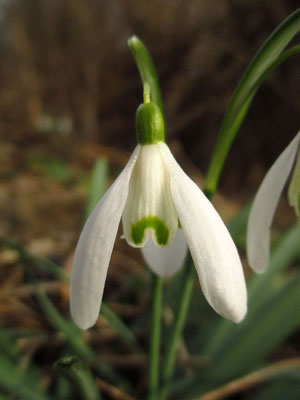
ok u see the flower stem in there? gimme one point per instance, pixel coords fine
(157, 286)
(182, 309)
(146, 69)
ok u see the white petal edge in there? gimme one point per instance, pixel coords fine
(214, 253)
(94, 248)
(166, 261)
(264, 206)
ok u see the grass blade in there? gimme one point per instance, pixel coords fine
(118, 326)
(98, 185)
(78, 373)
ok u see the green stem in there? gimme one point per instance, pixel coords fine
(157, 287)
(146, 69)
(182, 309)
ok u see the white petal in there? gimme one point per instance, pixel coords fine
(264, 205)
(214, 253)
(166, 261)
(149, 209)
(94, 250)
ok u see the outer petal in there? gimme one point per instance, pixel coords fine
(264, 205)
(166, 261)
(214, 253)
(94, 250)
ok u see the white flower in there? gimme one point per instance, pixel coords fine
(265, 203)
(155, 199)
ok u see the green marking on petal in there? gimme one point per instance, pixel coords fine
(160, 228)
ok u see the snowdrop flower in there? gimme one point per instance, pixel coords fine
(162, 210)
(266, 200)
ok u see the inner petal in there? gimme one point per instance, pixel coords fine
(149, 209)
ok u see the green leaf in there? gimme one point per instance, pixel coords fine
(53, 167)
(260, 287)
(73, 337)
(8, 346)
(118, 326)
(286, 387)
(262, 331)
(272, 316)
(252, 340)
(237, 226)
(27, 258)
(17, 382)
(63, 388)
(79, 374)
(98, 185)
(266, 60)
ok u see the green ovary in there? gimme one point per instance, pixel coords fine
(159, 227)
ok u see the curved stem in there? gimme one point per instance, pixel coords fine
(146, 69)
(184, 301)
(157, 286)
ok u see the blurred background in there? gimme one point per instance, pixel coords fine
(69, 89)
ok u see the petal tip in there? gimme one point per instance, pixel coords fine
(235, 310)
(84, 306)
(84, 321)
(239, 315)
(258, 265)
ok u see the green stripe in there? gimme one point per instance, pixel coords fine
(160, 228)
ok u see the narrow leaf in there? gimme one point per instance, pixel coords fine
(98, 185)
(81, 377)
(24, 384)
(118, 326)
(266, 60)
